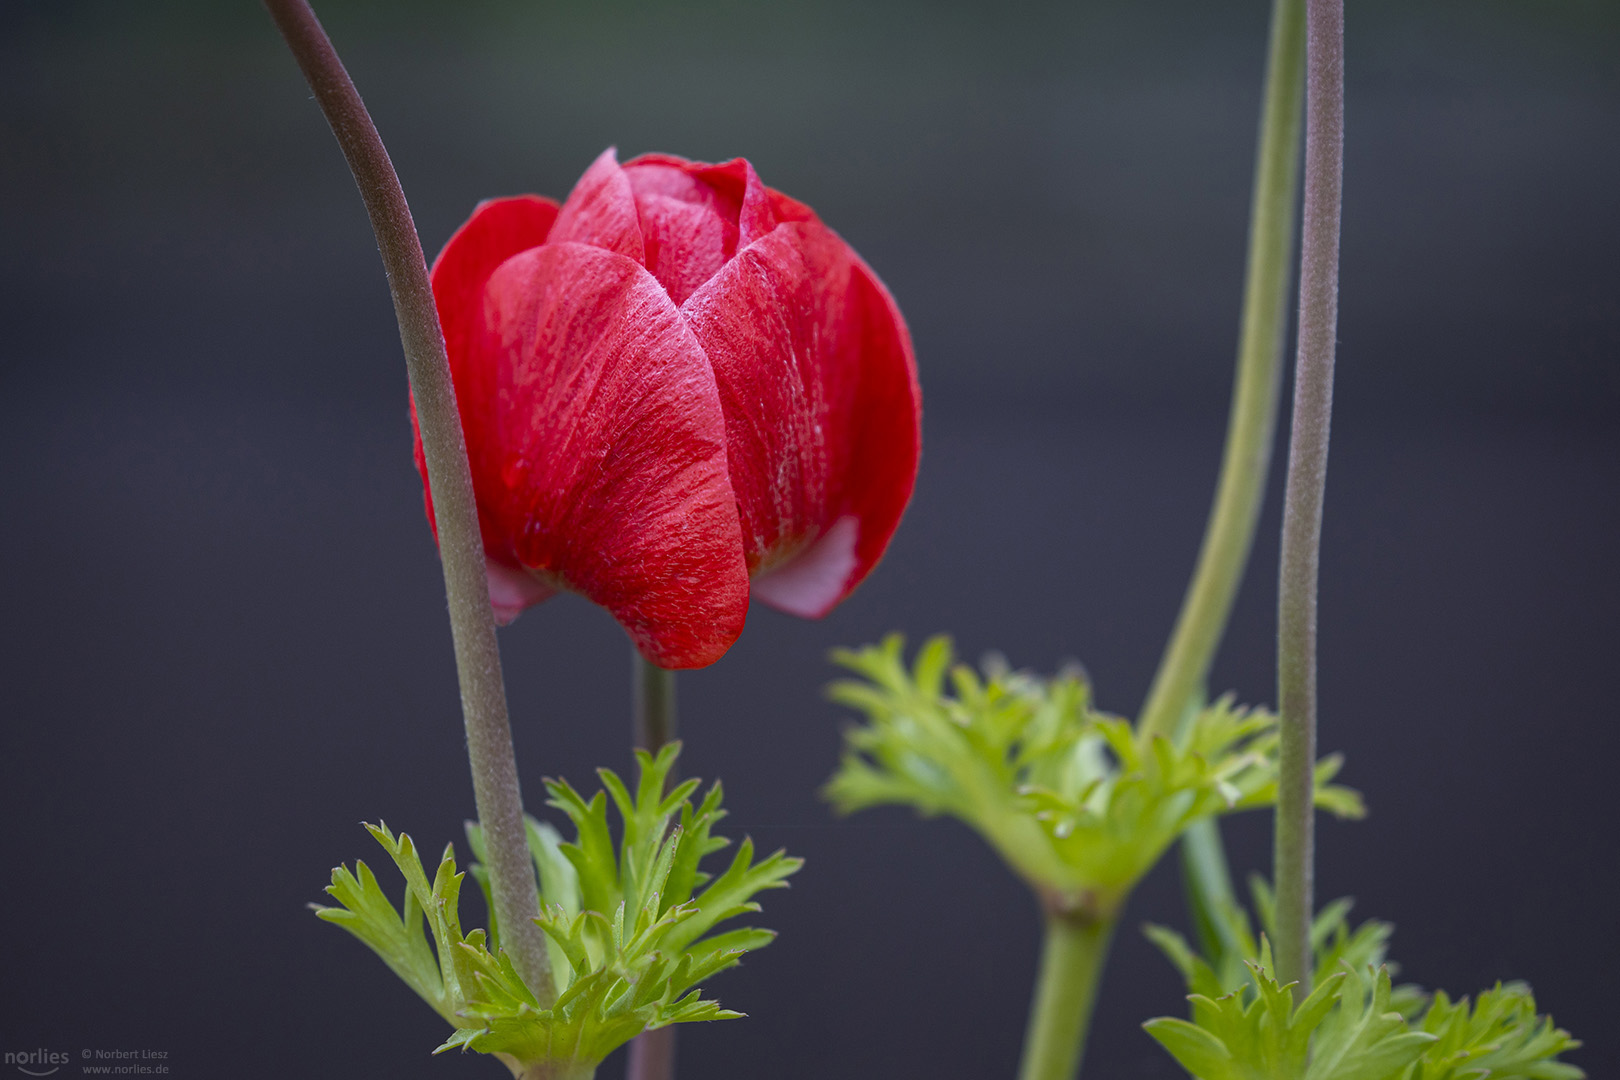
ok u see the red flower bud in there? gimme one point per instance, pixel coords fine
(678, 382)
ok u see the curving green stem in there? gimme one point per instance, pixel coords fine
(461, 550)
(652, 1053)
(1294, 855)
(1073, 954)
(1252, 425)
(1072, 957)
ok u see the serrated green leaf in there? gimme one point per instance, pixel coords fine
(627, 925)
(1199, 1052)
(1074, 800)
(1355, 1024)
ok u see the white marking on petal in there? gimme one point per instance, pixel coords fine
(809, 584)
(510, 591)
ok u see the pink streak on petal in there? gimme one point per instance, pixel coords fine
(818, 383)
(510, 591)
(811, 584)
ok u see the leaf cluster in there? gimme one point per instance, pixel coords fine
(1345, 1030)
(1229, 964)
(1354, 1025)
(628, 926)
(1078, 802)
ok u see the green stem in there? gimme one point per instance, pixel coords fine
(1307, 478)
(553, 1070)
(652, 1053)
(461, 550)
(1065, 990)
(1072, 958)
(1252, 424)
(652, 702)
(1208, 886)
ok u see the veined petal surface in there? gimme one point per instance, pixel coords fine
(818, 384)
(497, 230)
(613, 445)
(677, 381)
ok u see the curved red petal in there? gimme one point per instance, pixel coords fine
(695, 216)
(818, 381)
(687, 229)
(754, 208)
(736, 181)
(886, 420)
(786, 208)
(601, 210)
(497, 230)
(612, 444)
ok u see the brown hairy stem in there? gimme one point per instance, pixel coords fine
(461, 549)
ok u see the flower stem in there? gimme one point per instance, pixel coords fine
(1253, 420)
(1207, 883)
(652, 701)
(1072, 959)
(553, 1070)
(461, 550)
(1307, 476)
(1065, 990)
(652, 1053)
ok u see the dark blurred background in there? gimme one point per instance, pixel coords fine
(222, 635)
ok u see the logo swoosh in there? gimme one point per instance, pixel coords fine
(47, 1072)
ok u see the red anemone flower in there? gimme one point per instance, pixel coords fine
(678, 382)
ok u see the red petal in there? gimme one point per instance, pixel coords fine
(687, 237)
(601, 210)
(785, 208)
(819, 386)
(737, 182)
(886, 420)
(612, 444)
(695, 216)
(498, 229)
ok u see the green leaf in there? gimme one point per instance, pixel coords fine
(729, 894)
(1074, 800)
(1196, 972)
(1198, 1051)
(1341, 1031)
(1355, 1025)
(1500, 1037)
(367, 914)
(628, 926)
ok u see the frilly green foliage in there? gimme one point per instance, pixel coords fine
(1354, 1025)
(628, 928)
(1501, 1037)
(1334, 945)
(1075, 800)
(1345, 1030)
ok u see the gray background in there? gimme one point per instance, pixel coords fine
(222, 640)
